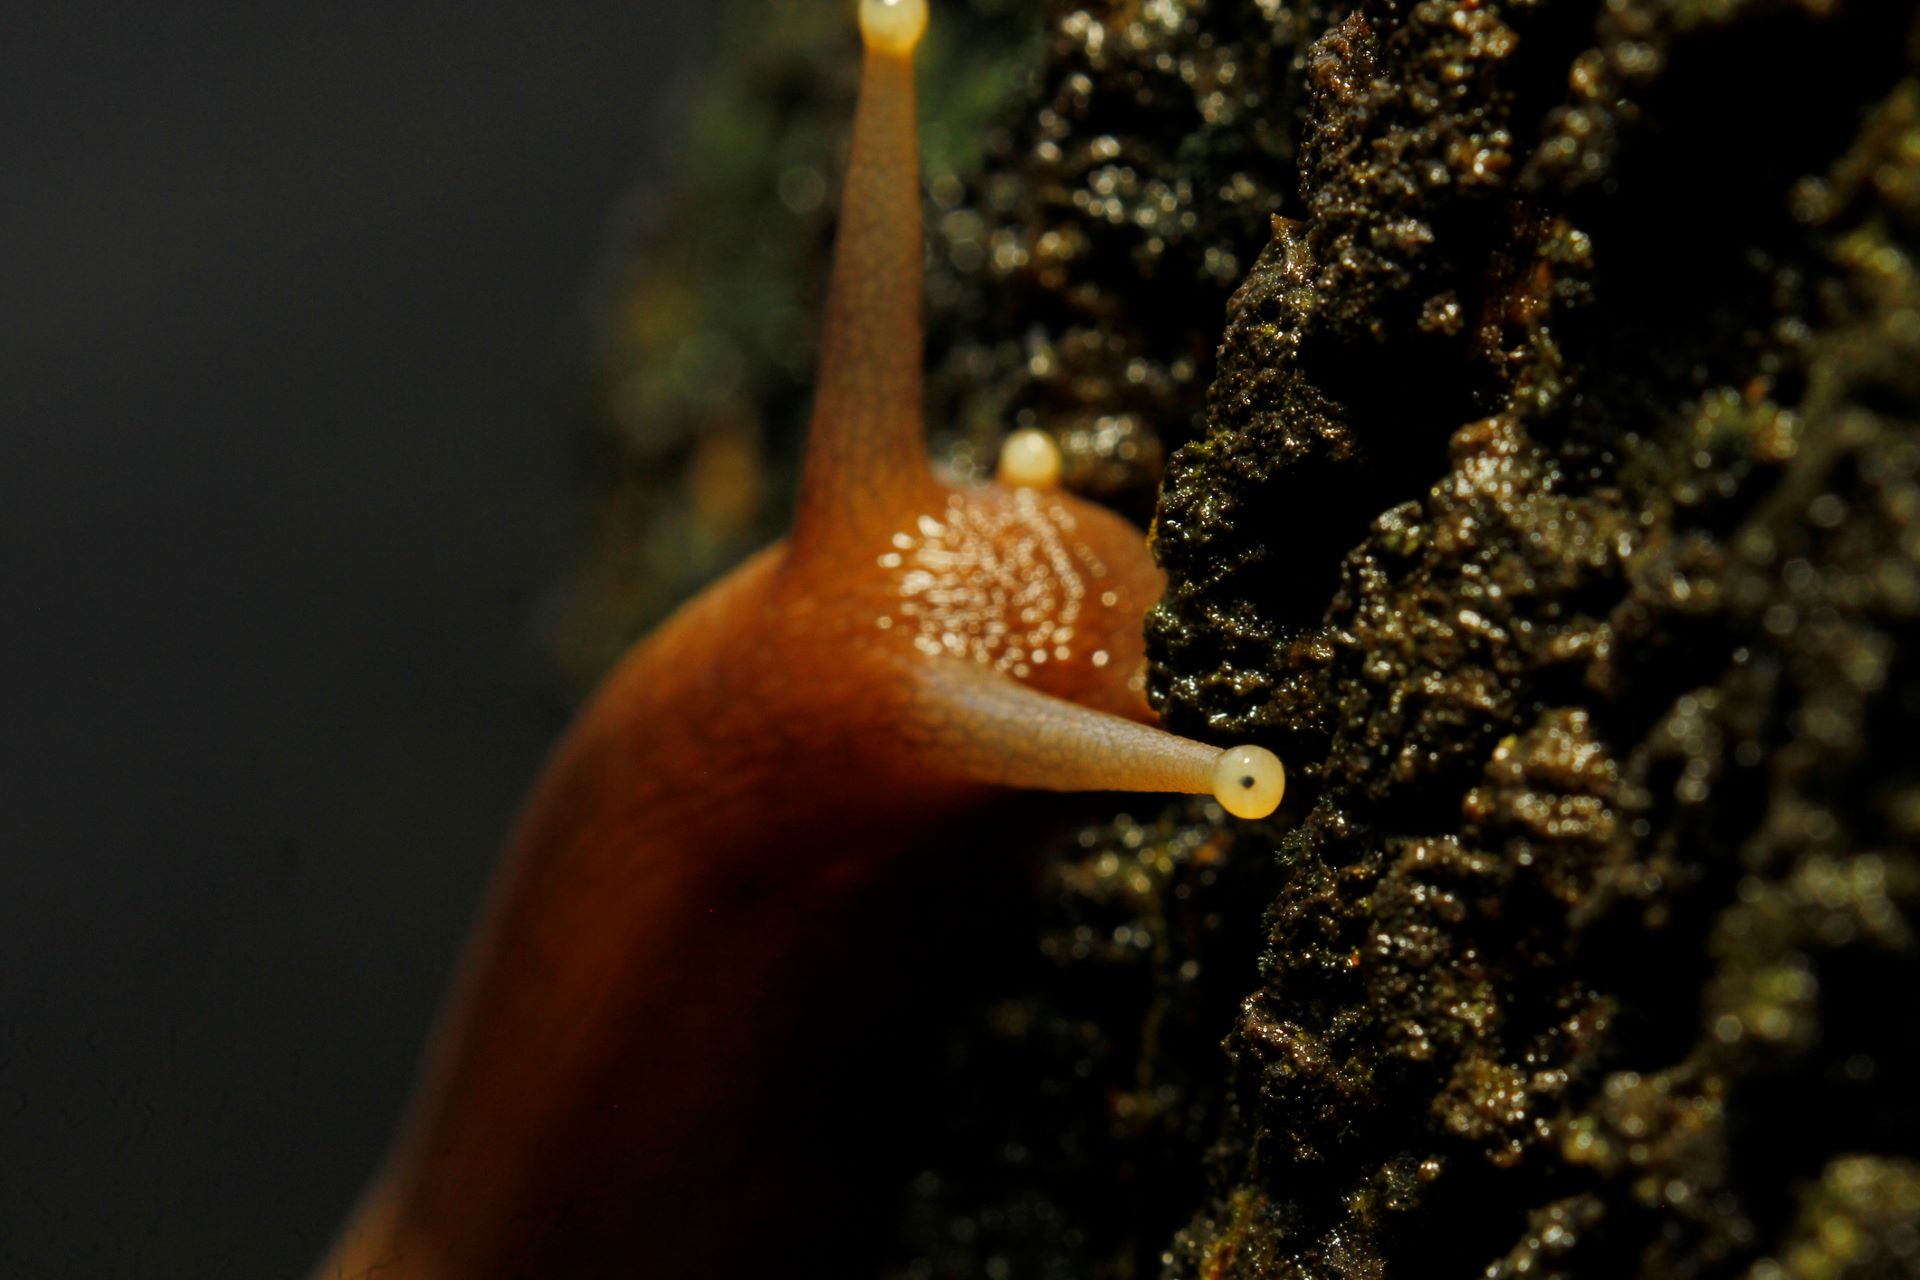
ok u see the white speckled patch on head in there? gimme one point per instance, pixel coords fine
(1005, 584)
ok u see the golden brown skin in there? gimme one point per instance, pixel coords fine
(674, 913)
(680, 946)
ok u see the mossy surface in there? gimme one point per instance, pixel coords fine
(1529, 397)
(1603, 708)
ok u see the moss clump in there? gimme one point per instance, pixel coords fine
(1605, 876)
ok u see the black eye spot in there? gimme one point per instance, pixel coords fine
(1247, 781)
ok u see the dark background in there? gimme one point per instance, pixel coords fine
(294, 309)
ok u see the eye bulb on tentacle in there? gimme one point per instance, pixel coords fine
(1029, 459)
(1249, 781)
(893, 26)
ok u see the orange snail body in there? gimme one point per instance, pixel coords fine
(673, 955)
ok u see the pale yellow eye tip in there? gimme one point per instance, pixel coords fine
(1249, 781)
(893, 26)
(1029, 459)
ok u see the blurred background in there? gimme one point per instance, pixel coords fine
(296, 306)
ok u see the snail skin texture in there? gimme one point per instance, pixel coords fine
(632, 1077)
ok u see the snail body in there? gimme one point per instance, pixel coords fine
(674, 946)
